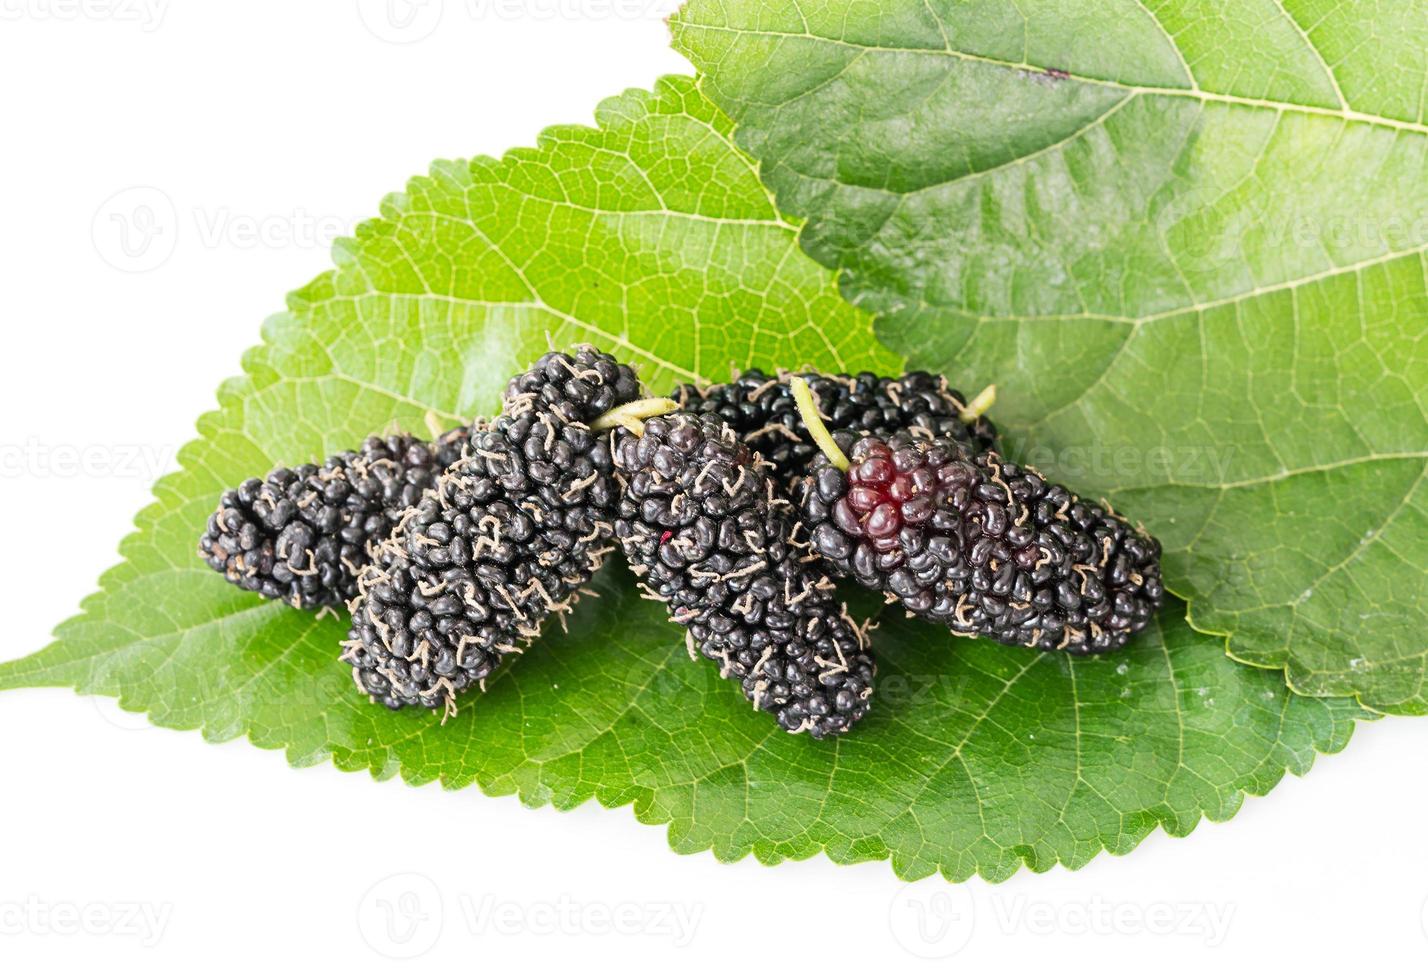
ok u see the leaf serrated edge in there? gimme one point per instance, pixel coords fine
(641, 801)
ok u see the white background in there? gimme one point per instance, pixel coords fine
(263, 128)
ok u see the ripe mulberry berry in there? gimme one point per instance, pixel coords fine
(761, 410)
(983, 545)
(701, 524)
(301, 534)
(500, 541)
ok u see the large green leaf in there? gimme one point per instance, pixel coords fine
(976, 761)
(651, 236)
(1187, 241)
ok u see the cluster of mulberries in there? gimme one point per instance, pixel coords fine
(700, 523)
(760, 408)
(301, 534)
(501, 541)
(453, 554)
(983, 545)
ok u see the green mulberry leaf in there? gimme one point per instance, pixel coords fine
(653, 237)
(1187, 242)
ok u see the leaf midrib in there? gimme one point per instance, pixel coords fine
(1193, 91)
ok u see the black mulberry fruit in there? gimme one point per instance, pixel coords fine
(500, 541)
(301, 535)
(702, 525)
(760, 409)
(983, 545)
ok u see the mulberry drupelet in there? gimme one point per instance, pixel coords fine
(983, 545)
(500, 541)
(301, 534)
(761, 410)
(701, 524)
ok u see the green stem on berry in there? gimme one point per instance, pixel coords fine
(978, 406)
(631, 415)
(813, 422)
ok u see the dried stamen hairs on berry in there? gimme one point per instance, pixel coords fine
(700, 524)
(302, 534)
(504, 539)
(978, 543)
